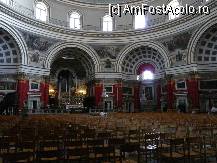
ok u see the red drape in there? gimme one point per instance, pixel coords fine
(120, 95)
(193, 92)
(98, 93)
(117, 93)
(22, 89)
(170, 93)
(136, 98)
(44, 89)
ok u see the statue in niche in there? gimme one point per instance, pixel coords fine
(179, 56)
(34, 56)
(108, 64)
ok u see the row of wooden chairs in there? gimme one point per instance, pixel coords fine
(153, 146)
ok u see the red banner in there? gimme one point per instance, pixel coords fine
(98, 93)
(117, 93)
(170, 94)
(44, 89)
(136, 98)
(193, 92)
(22, 89)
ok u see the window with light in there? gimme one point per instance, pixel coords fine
(147, 75)
(174, 4)
(139, 22)
(107, 23)
(41, 11)
(75, 20)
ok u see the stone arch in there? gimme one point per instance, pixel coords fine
(195, 39)
(53, 53)
(19, 40)
(157, 48)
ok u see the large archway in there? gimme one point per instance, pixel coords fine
(205, 56)
(12, 57)
(192, 47)
(71, 68)
(154, 45)
(90, 52)
(144, 65)
(17, 37)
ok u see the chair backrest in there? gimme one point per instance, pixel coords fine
(95, 143)
(48, 155)
(73, 144)
(81, 152)
(194, 143)
(104, 135)
(177, 145)
(129, 147)
(18, 157)
(116, 141)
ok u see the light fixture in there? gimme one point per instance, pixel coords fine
(82, 91)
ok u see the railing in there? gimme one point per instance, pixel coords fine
(62, 23)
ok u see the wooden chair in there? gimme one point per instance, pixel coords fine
(130, 148)
(4, 145)
(210, 148)
(116, 143)
(49, 150)
(134, 136)
(21, 157)
(194, 149)
(149, 146)
(104, 154)
(49, 156)
(176, 151)
(77, 155)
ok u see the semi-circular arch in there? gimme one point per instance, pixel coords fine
(195, 38)
(53, 53)
(19, 40)
(155, 45)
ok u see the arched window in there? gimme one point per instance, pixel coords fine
(139, 21)
(174, 4)
(41, 11)
(107, 23)
(147, 75)
(75, 20)
(8, 2)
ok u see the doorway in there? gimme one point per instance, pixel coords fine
(108, 106)
(34, 102)
(128, 107)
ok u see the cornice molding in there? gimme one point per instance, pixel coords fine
(99, 5)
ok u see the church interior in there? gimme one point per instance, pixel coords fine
(79, 84)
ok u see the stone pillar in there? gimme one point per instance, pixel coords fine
(22, 90)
